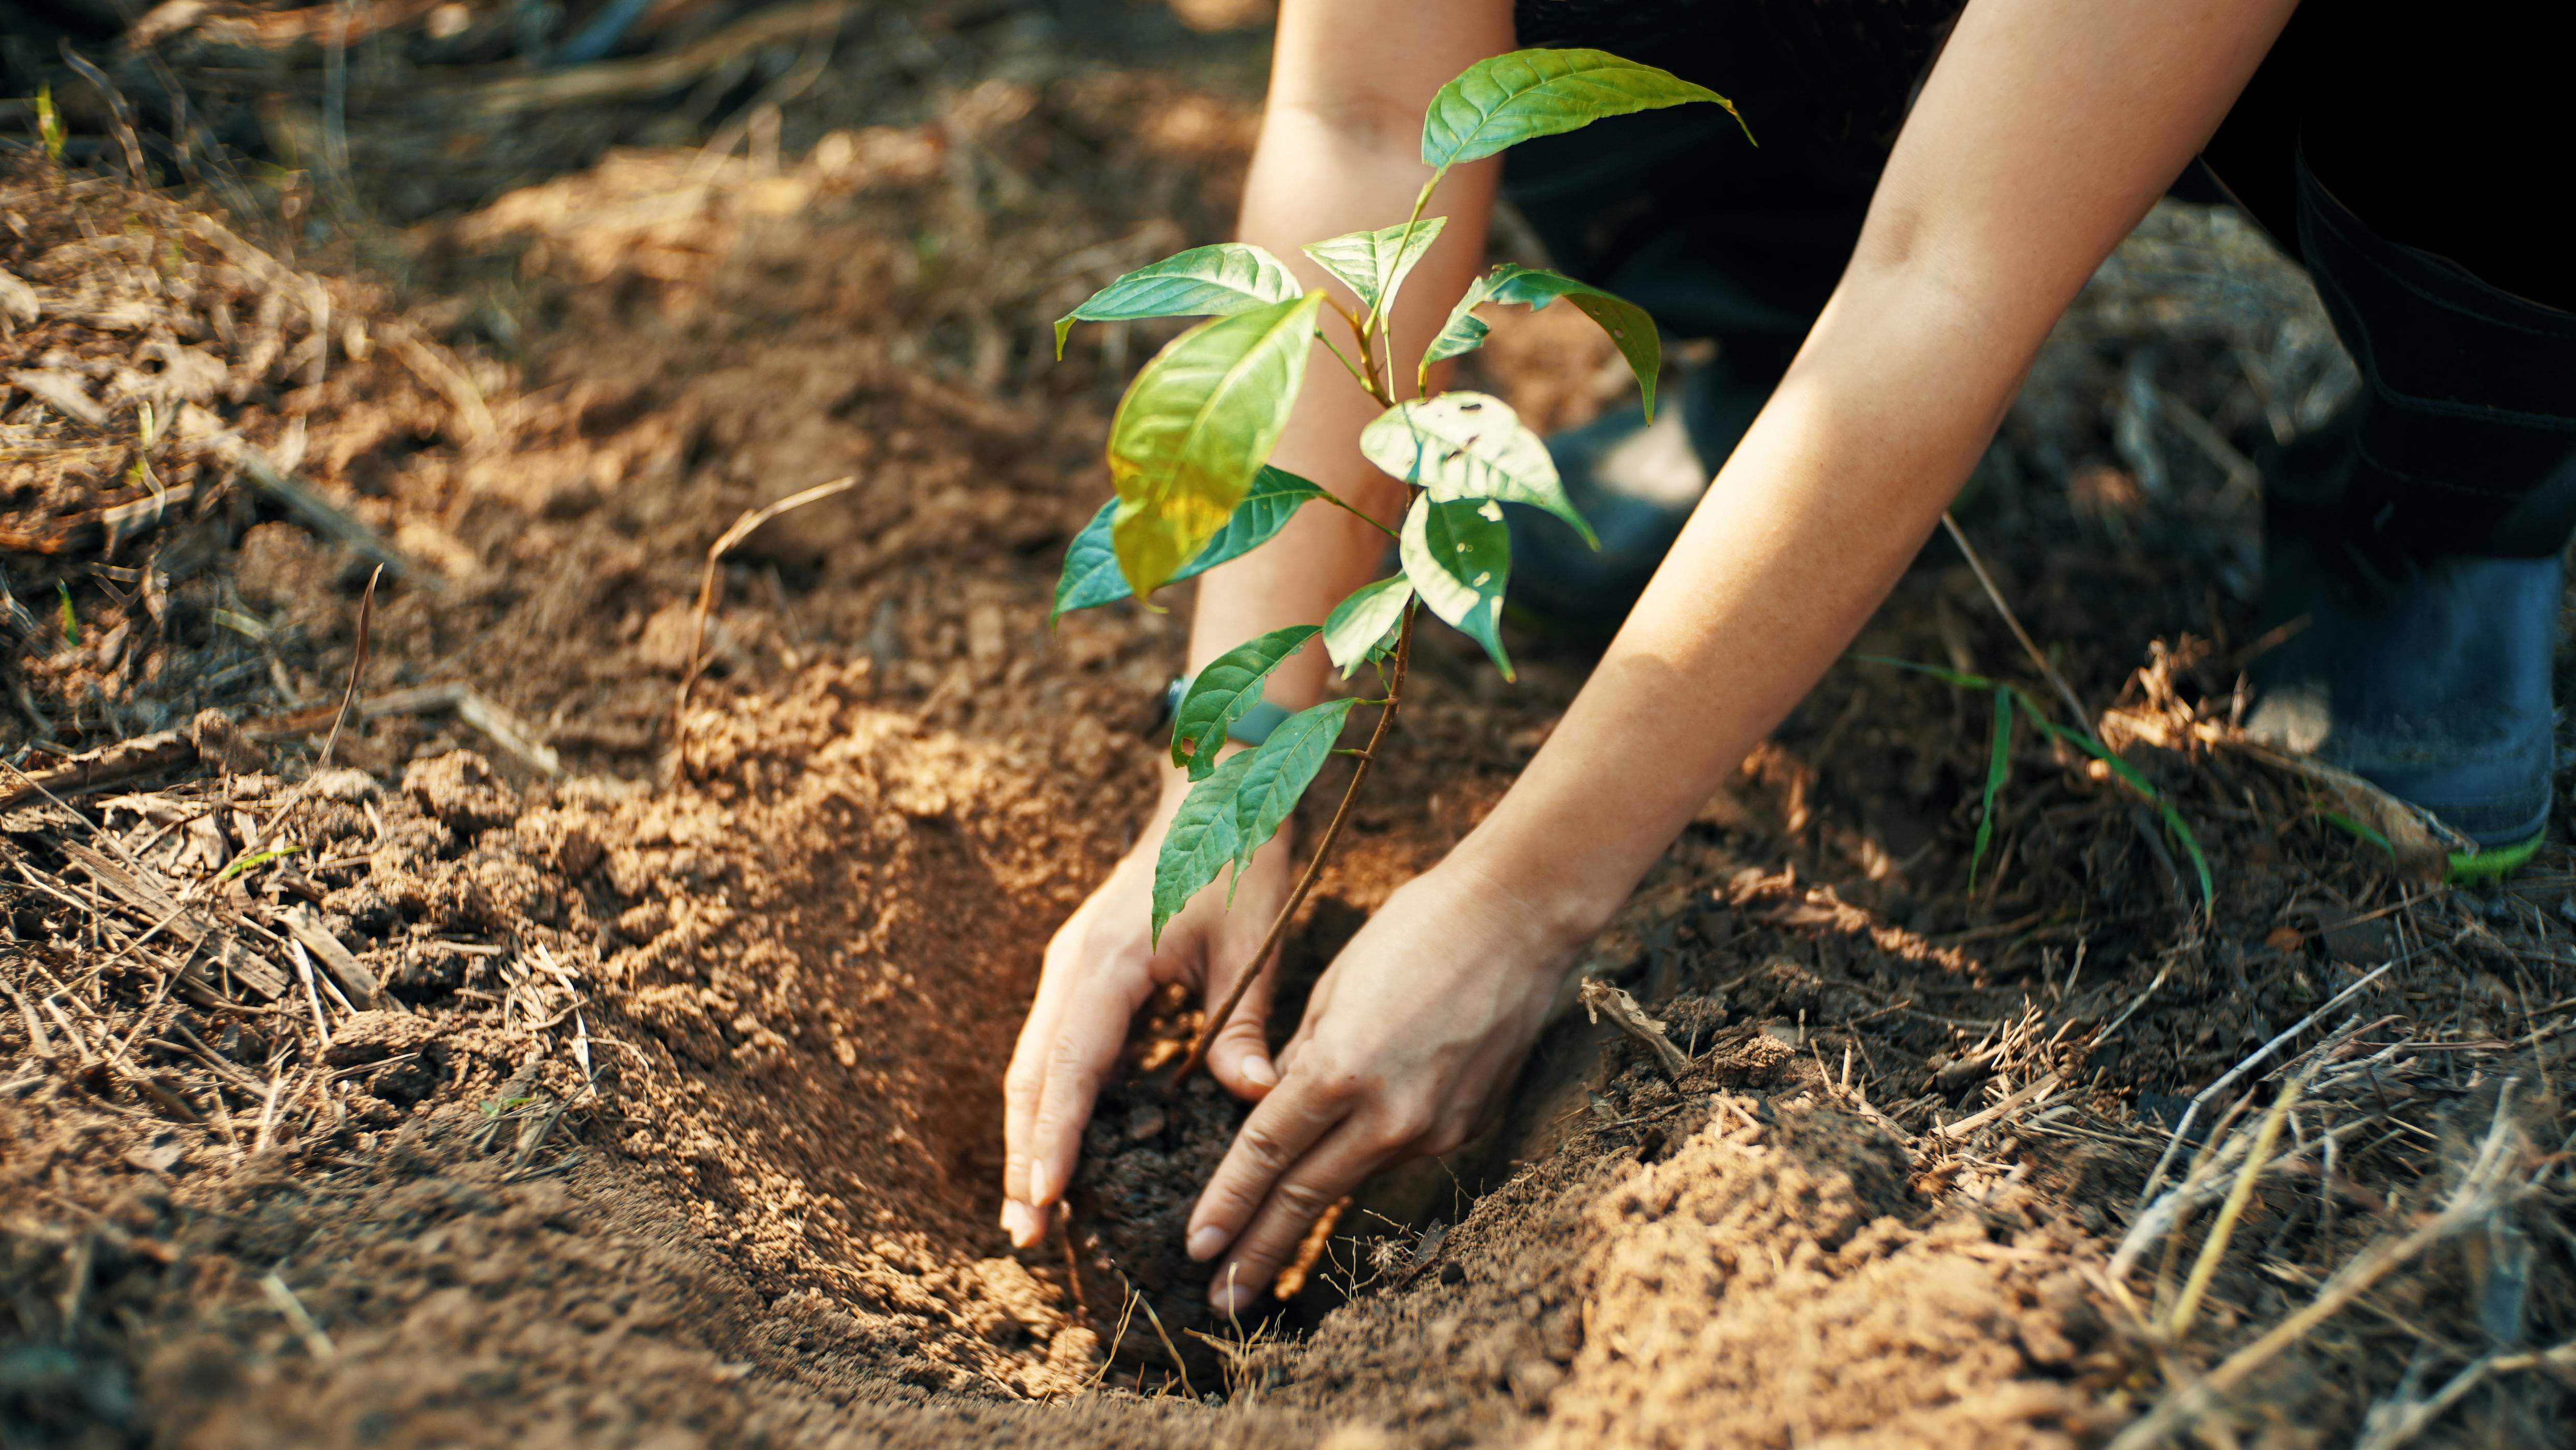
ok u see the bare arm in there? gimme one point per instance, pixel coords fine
(1339, 152)
(2048, 128)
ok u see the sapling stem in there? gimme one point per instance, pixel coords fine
(1216, 1020)
(1363, 516)
(1378, 309)
(1355, 373)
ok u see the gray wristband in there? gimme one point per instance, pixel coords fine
(1252, 729)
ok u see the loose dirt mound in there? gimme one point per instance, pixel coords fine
(530, 1081)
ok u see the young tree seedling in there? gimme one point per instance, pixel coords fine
(1190, 444)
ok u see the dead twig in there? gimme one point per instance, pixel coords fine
(1168, 1347)
(39, 1041)
(1598, 996)
(741, 530)
(290, 1308)
(140, 890)
(495, 720)
(2479, 1194)
(344, 965)
(2030, 1093)
(1126, 1316)
(2178, 1323)
(2228, 1079)
(268, 1114)
(329, 519)
(357, 668)
(610, 80)
(1995, 596)
(126, 759)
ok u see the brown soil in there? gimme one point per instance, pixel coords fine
(672, 1118)
(1145, 1155)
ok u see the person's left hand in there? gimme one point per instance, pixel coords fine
(1407, 1046)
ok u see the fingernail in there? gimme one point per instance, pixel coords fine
(1018, 1222)
(1258, 1072)
(1231, 1298)
(1042, 1184)
(1207, 1243)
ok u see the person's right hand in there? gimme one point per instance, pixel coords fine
(1100, 968)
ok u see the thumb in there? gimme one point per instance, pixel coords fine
(1239, 1057)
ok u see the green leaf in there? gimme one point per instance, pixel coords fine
(1195, 427)
(1630, 329)
(1268, 505)
(241, 864)
(49, 124)
(2129, 774)
(2136, 780)
(1511, 98)
(1469, 445)
(1459, 556)
(2356, 829)
(1463, 333)
(1374, 264)
(1280, 770)
(1945, 676)
(1998, 764)
(1217, 281)
(1366, 621)
(1200, 841)
(1224, 690)
(1091, 574)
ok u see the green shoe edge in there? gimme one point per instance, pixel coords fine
(2472, 868)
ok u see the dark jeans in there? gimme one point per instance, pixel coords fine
(2404, 158)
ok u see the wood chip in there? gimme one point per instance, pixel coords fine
(143, 755)
(17, 299)
(498, 724)
(66, 393)
(2030, 1093)
(352, 974)
(165, 910)
(1598, 996)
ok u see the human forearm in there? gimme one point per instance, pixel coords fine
(1339, 153)
(1813, 519)
(2048, 129)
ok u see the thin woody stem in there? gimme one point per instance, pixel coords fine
(1995, 596)
(1360, 514)
(1314, 868)
(1356, 375)
(1378, 309)
(1363, 333)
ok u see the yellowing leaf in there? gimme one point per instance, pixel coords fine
(1091, 574)
(1195, 427)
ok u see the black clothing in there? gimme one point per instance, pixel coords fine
(2404, 161)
